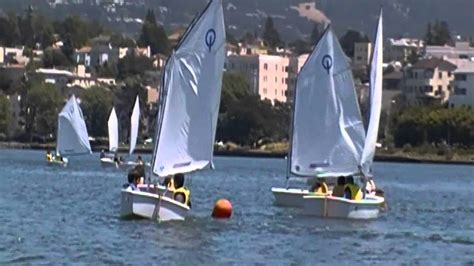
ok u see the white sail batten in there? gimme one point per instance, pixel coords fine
(72, 138)
(376, 83)
(328, 133)
(134, 124)
(192, 85)
(113, 131)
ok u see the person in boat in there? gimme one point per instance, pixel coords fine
(49, 156)
(338, 190)
(133, 180)
(181, 193)
(116, 158)
(140, 169)
(351, 190)
(370, 188)
(320, 187)
(140, 160)
(102, 154)
(169, 183)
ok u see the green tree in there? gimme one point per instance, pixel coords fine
(315, 34)
(4, 115)
(271, 37)
(43, 104)
(234, 88)
(133, 64)
(55, 58)
(154, 35)
(96, 105)
(349, 39)
(429, 39)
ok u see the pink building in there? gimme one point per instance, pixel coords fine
(267, 75)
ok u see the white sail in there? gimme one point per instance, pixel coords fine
(376, 82)
(72, 138)
(113, 131)
(328, 133)
(192, 89)
(134, 123)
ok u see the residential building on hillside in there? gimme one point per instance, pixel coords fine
(267, 75)
(140, 51)
(65, 78)
(461, 50)
(463, 84)
(400, 49)
(296, 63)
(362, 54)
(429, 80)
(13, 56)
(96, 56)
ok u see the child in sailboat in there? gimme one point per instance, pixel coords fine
(338, 190)
(181, 193)
(351, 190)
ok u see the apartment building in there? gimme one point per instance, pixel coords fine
(463, 84)
(429, 80)
(267, 75)
(362, 54)
(399, 50)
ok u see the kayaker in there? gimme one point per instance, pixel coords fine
(181, 193)
(338, 190)
(102, 154)
(352, 191)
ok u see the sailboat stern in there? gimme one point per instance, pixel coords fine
(336, 207)
(139, 204)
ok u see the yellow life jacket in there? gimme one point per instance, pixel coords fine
(356, 193)
(49, 157)
(323, 189)
(338, 191)
(185, 192)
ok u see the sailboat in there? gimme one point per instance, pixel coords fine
(188, 111)
(369, 207)
(108, 159)
(328, 138)
(72, 138)
(134, 125)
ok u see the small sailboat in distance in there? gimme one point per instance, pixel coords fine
(72, 138)
(188, 111)
(108, 159)
(134, 126)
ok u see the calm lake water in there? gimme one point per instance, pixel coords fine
(71, 215)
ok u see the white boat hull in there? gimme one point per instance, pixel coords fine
(149, 205)
(108, 162)
(336, 207)
(289, 197)
(58, 163)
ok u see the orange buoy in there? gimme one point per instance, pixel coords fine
(222, 209)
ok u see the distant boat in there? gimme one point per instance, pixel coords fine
(72, 138)
(188, 111)
(328, 138)
(108, 159)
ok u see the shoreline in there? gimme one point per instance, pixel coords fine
(391, 158)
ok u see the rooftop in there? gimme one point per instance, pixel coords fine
(406, 42)
(433, 63)
(466, 68)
